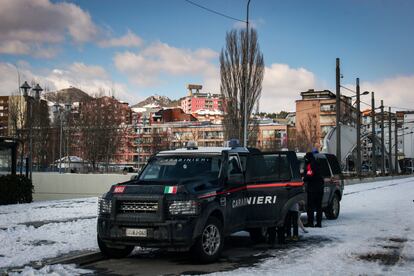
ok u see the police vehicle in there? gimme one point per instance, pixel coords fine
(333, 182)
(191, 198)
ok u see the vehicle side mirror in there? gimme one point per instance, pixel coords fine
(133, 177)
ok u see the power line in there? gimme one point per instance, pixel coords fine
(213, 11)
(346, 88)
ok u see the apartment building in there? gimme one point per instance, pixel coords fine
(195, 100)
(316, 115)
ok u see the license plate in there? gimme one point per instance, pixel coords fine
(135, 232)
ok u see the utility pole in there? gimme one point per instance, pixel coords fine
(396, 145)
(374, 164)
(246, 89)
(382, 140)
(358, 103)
(338, 112)
(389, 142)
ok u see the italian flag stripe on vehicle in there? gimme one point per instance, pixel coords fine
(170, 190)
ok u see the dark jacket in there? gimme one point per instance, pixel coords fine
(312, 176)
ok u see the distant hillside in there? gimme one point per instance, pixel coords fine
(162, 101)
(66, 95)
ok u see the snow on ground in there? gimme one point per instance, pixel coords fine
(376, 223)
(53, 270)
(375, 226)
(41, 230)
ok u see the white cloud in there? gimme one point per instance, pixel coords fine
(396, 91)
(146, 67)
(89, 78)
(252, 24)
(27, 26)
(282, 85)
(130, 39)
(14, 47)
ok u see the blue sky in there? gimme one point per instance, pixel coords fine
(139, 48)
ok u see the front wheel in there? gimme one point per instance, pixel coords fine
(114, 252)
(209, 245)
(332, 211)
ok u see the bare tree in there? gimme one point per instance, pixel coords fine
(307, 137)
(101, 127)
(235, 75)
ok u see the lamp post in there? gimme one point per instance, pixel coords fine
(246, 88)
(358, 103)
(62, 117)
(30, 99)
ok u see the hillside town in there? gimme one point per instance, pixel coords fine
(127, 135)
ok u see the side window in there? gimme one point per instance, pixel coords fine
(269, 167)
(234, 167)
(243, 161)
(284, 168)
(324, 166)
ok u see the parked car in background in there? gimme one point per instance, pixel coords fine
(334, 185)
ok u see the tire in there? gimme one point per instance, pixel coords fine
(115, 253)
(332, 211)
(209, 245)
(258, 235)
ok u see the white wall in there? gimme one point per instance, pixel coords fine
(50, 186)
(408, 137)
(54, 186)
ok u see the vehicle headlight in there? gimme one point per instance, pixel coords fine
(105, 206)
(188, 207)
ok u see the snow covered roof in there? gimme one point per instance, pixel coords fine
(73, 159)
(138, 109)
(151, 105)
(208, 112)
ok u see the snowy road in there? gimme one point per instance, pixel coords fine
(373, 235)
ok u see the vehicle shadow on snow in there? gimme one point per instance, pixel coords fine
(239, 251)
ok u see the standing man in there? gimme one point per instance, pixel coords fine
(314, 187)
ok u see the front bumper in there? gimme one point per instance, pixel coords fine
(170, 233)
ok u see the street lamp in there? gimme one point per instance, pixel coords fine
(246, 84)
(358, 103)
(29, 100)
(62, 118)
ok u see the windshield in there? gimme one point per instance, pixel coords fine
(181, 167)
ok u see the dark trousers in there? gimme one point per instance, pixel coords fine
(315, 204)
(291, 221)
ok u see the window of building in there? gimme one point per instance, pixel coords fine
(328, 108)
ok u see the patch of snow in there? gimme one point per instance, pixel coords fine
(52, 270)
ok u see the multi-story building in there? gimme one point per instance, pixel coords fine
(156, 137)
(212, 116)
(113, 119)
(316, 115)
(4, 115)
(197, 101)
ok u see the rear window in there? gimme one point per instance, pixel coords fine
(324, 166)
(268, 167)
(333, 161)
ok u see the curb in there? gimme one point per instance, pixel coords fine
(81, 259)
(373, 179)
